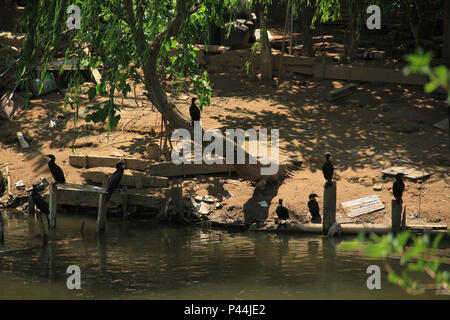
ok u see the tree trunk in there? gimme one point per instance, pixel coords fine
(266, 50)
(306, 16)
(148, 54)
(446, 31)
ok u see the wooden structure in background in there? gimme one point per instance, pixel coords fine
(163, 169)
(136, 180)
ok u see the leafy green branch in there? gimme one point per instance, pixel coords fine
(414, 254)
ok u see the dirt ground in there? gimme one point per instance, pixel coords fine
(378, 126)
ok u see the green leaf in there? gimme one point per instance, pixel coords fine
(431, 86)
(403, 238)
(437, 240)
(442, 73)
(393, 278)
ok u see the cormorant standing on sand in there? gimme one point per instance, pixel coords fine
(194, 111)
(314, 209)
(55, 170)
(40, 203)
(398, 187)
(328, 170)
(114, 180)
(282, 212)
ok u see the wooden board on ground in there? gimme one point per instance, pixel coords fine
(162, 169)
(409, 173)
(137, 180)
(361, 206)
(443, 124)
(340, 92)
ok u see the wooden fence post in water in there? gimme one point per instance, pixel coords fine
(53, 204)
(102, 207)
(42, 228)
(396, 215)
(329, 207)
(2, 228)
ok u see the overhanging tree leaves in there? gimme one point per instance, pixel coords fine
(129, 39)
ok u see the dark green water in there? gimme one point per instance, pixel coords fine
(144, 260)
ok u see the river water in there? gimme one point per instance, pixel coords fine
(144, 260)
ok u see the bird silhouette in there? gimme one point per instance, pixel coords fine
(114, 180)
(282, 212)
(194, 111)
(328, 170)
(40, 203)
(398, 187)
(313, 207)
(55, 170)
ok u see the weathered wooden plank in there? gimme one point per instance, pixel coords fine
(361, 206)
(136, 180)
(340, 92)
(163, 169)
(90, 199)
(410, 173)
(361, 73)
(443, 124)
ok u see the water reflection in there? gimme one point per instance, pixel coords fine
(138, 259)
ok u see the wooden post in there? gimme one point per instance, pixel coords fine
(2, 228)
(329, 207)
(53, 190)
(42, 228)
(102, 208)
(396, 215)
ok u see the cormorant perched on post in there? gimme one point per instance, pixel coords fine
(40, 203)
(314, 209)
(56, 171)
(194, 111)
(398, 187)
(114, 180)
(328, 170)
(282, 212)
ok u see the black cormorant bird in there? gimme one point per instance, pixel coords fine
(398, 187)
(40, 203)
(314, 209)
(194, 111)
(328, 170)
(56, 171)
(114, 180)
(282, 212)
